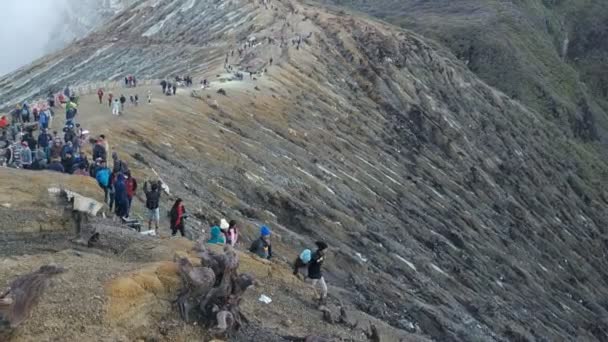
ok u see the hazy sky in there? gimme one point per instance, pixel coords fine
(25, 27)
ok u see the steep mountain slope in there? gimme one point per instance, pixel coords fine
(452, 210)
(551, 55)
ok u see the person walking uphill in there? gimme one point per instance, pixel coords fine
(177, 217)
(315, 274)
(103, 175)
(262, 247)
(152, 204)
(100, 95)
(131, 184)
(120, 195)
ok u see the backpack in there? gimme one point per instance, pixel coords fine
(103, 177)
(306, 256)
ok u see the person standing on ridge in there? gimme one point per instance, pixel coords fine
(152, 204)
(174, 88)
(262, 247)
(176, 215)
(100, 95)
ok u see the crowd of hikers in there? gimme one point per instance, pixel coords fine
(67, 151)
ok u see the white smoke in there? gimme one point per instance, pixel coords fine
(25, 29)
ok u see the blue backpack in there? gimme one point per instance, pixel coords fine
(103, 177)
(306, 256)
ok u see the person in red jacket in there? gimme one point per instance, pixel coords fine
(177, 217)
(3, 122)
(131, 189)
(100, 95)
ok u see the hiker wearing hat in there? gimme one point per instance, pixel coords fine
(314, 270)
(262, 247)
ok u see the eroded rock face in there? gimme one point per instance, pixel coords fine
(450, 208)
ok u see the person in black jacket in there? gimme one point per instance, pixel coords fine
(153, 203)
(315, 274)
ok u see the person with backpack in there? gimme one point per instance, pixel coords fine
(302, 261)
(262, 247)
(315, 274)
(102, 175)
(217, 238)
(176, 215)
(152, 204)
(131, 184)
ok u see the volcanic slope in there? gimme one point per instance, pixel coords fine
(451, 209)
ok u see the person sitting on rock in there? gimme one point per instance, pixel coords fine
(177, 213)
(68, 162)
(262, 247)
(81, 170)
(217, 238)
(315, 274)
(26, 156)
(55, 165)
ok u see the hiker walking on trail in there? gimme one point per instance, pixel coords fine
(177, 215)
(123, 100)
(152, 204)
(110, 98)
(116, 107)
(315, 274)
(103, 175)
(120, 196)
(131, 184)
(262, 247)
(100, 95)
(174, 88)
(163, 84)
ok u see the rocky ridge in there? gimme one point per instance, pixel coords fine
(454, 211)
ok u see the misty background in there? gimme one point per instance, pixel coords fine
(25, 30)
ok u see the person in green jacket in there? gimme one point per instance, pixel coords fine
(216, 236)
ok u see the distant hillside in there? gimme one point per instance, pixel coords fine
(550, 54)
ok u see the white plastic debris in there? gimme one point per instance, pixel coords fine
(361, 257)
(149, 232)
(265, 299)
